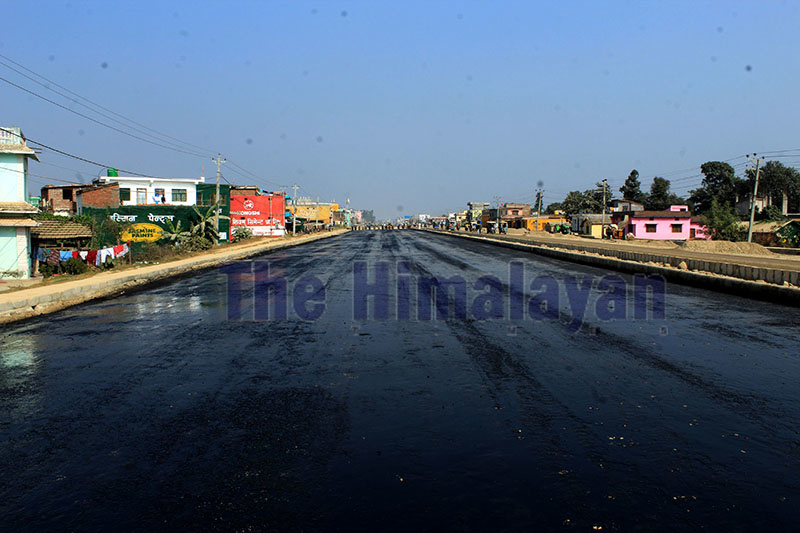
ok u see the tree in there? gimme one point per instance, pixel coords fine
(580, 202)
(777, 182)
(632, 188)
(660, 197)
(174, 234)
(723, 223)
(719, 182)
(368, 217)
(552, 208)
(205, 227)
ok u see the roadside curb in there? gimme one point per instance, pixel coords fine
(759, 289)
(36, 301)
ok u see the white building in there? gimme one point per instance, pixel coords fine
(15, 222)
(135, 190)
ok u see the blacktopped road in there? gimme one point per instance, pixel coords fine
(154, 411)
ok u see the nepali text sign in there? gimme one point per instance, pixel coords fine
(264, 215)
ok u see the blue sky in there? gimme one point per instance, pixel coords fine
(410, 107)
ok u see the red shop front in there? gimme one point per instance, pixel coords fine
(265, 215)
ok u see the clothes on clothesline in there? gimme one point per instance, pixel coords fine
(92, 257)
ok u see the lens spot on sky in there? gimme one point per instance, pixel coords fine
(52, 58)
(719, 29)
(682, 152)
(184, 33)
(399, 208)
(748, 68)
(540, 183)
(319, 138)
(713, 59)
(81, 132)
(249, 140)
(314, 11)
(344, 13)
(283, 136)
(103, 65)
(469, 77)
(460, 16)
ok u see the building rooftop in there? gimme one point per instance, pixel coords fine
(659, 214)
(12, 141)
(17, 208)
(60, 229)
(17, 222)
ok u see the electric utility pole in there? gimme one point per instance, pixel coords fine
(219, 160)
(539, 194)
(757, 161)
(294, 211)
(603, 225)
(497, 201)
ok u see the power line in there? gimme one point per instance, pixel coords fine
(86, 106)
(96, 104)
(79, 158)
(87, 117)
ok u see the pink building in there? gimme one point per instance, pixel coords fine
(675, 224)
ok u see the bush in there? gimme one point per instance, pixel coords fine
(771, 212)
(196, 243)
(151, 251)
(74, 266)
(242, 233)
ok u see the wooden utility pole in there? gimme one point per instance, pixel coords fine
(757, 161)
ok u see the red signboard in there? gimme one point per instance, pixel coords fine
(265, 215)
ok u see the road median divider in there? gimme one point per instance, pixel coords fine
(769, 284)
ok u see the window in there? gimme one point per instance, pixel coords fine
(141, 196)
(160, 193)
(632, 229)
(650, 228)
(124, 195)
(66, 194)
(677, 228)
(178, 195)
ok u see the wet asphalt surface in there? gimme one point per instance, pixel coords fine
(153, 411)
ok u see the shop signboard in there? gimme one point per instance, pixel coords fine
(264, 215)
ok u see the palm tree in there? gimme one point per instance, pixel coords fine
(173, 232)
(206, 227)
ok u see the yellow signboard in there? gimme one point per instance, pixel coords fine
(142, 232)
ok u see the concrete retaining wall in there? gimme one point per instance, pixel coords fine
(752, 282)
(35, 301)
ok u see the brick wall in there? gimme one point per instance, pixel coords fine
(104, 196)
(53, 199)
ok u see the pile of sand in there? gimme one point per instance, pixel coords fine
(726, 247)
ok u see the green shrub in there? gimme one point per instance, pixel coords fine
(242, 233)
(196, 243)
(74, 266)
(151, 251)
